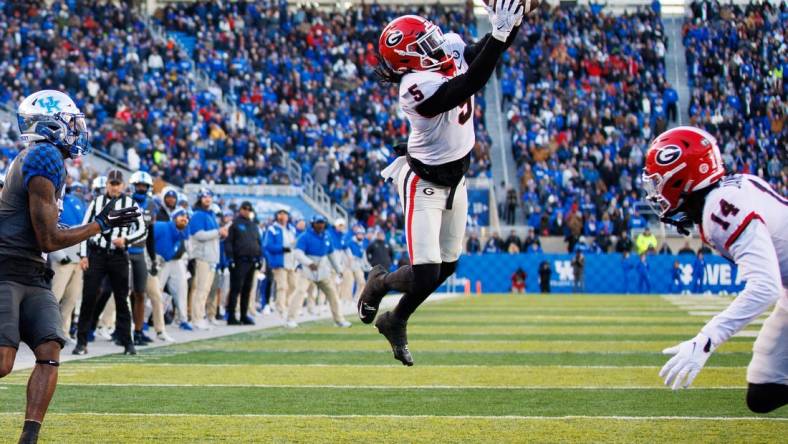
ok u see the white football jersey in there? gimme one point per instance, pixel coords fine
(446, 137)
(746, 221)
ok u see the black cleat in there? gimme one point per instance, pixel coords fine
(139, 340)
(395, 331)
(129, 349)
(373, 293)
(80, 349)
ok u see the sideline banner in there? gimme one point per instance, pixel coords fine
(604, 273)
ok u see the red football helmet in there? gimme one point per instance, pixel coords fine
(678, 162)
(413, 43)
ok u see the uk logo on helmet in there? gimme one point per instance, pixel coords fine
(668, 155)
(394, 38)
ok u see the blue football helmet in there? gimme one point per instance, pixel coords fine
(52, 116)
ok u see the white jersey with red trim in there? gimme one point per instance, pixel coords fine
(746, 221)
(446, 137)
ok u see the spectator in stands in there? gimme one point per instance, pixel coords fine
(513, 243)
(473, 245)
(578, 269)
(205, 235)
(646, 242)
(624, 243)
(314, 251)
(494, 244)
(671, 99)
(545, 272)
(665, 249)
(379, 252)
(518, 280)
(242, 247)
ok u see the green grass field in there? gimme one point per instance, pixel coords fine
(488, 369)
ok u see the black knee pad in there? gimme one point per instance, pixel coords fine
(48, 362)
(763, 398)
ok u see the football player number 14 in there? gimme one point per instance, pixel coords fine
(466, 107)
(726, 209)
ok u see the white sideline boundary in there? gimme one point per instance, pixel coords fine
(25, 358)
(409, 417)
(381, 387)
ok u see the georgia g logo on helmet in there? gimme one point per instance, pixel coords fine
(668, 155)
(393, 38)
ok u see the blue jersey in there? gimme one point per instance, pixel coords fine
(17, 238)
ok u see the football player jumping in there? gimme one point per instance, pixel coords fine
(438, 76)
(747, 222)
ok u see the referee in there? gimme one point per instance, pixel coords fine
(105, 255)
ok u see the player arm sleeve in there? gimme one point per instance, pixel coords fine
(756, 258)
(150, 243)
(457, 90)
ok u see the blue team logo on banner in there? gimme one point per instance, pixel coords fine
(479, 206)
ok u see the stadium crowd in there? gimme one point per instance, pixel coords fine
(306, 78)
(736, 59)
(584, 92)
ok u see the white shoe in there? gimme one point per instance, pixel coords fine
(103, 333)
(164, 337)
(343, 324)
(202, 325)
(267, 310)
(291, 324)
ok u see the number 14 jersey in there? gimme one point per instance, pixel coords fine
(448, 136)
(741, 201)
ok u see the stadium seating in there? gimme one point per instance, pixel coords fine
(736, 62)
(306, 78)
(583, 95)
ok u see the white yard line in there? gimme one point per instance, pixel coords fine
(77, 369)
(387, 387)
(409, 417)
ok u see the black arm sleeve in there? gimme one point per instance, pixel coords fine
(472, 50)
(150, 244)
(457, 90)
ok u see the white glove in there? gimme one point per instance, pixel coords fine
(504, 16)
(690, 356)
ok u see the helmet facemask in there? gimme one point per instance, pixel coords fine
(654, 185)
(429, 48)
(67, 131)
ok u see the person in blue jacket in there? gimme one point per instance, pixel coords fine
(357, 245)
(698, 273)
(314, 251)
(675, 278)
(278, 248)
(339, 236)
(169, 237)
(67, 282)
(644, 280)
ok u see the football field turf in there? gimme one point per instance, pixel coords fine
(488, 369)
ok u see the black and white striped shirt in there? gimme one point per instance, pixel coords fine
(132, 234)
